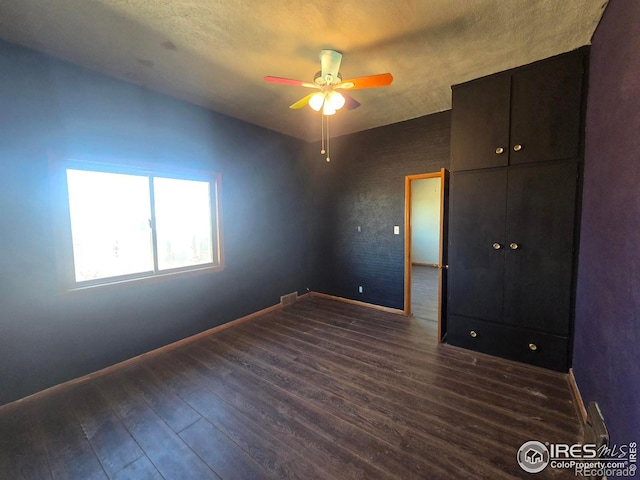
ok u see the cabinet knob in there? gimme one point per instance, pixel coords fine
(499, 150)
(517, 148)
(496, 246)
(533, 347)
(473, 333)
(514, 246)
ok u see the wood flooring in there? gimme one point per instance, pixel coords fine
(317, 390)
(424, 292)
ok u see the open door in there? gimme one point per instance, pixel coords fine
(412, 251)
(443, 266)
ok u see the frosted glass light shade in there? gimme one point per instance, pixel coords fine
(316, 101)
(328, 109)
(336, 100)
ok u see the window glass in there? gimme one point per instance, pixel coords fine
(183, 222)
(127, 223)
(110, 227)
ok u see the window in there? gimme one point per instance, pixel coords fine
(128, 224)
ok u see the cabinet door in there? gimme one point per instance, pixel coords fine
(480, 123)
(476, 222)
(540, 220)
(545, 110)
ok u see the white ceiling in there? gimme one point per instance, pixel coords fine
(215, 53)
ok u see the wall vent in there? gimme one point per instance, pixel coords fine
(289, 298)
(595, 431)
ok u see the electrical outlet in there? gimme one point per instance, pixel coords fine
(396, 229)
(359, 228)
(360, 289)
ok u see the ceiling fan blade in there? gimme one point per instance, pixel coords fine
(330, 61)
(381, 80)
(350, 103)
(302, 102)
(289, 81)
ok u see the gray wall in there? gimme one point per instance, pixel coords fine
(47, 336)
(364, 185)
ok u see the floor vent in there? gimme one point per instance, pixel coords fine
(289, 298)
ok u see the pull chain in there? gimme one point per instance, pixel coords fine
(328, 151)
(322, 127)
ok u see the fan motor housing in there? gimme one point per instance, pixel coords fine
(318, 80)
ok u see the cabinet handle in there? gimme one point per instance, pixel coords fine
(533, 347)
(514, 246)
(496, 246)
(499, 150)
(473, 333)
(517, 148)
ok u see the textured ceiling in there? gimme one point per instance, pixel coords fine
(214, 53)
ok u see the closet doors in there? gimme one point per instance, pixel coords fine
(511, 245)
(515, 158)
(530, 114)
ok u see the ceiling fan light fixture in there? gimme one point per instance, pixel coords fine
(328, 109)
(336, 100)
(316, 101)
(326, 98)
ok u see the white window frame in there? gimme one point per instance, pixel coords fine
(62, 222)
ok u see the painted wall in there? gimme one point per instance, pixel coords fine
(364, 186)
(607, 327)
(47, 336)
(425, 220)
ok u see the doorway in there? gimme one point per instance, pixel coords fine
(425, 256)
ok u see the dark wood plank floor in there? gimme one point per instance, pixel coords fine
(424, 292)
(319, 389)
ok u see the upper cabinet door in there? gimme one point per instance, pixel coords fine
(545, 110)
(480, 123)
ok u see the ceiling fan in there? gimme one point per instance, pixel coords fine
(328, 81)
(330, 95)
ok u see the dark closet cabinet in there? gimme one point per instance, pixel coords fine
(516, 148)
(510, 260)
(531, 114)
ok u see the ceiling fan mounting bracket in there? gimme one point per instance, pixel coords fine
(320, 81)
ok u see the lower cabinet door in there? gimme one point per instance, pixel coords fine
(528, 346)
(476, 243)
(538, 249)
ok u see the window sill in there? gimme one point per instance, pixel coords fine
(144, 280)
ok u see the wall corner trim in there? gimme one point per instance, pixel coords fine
(362, 304)
(149, 354)
(577, 398)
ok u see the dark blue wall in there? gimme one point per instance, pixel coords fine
(46, 336)
(607, 327)
(364, 185)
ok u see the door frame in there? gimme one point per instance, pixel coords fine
(442, 175)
